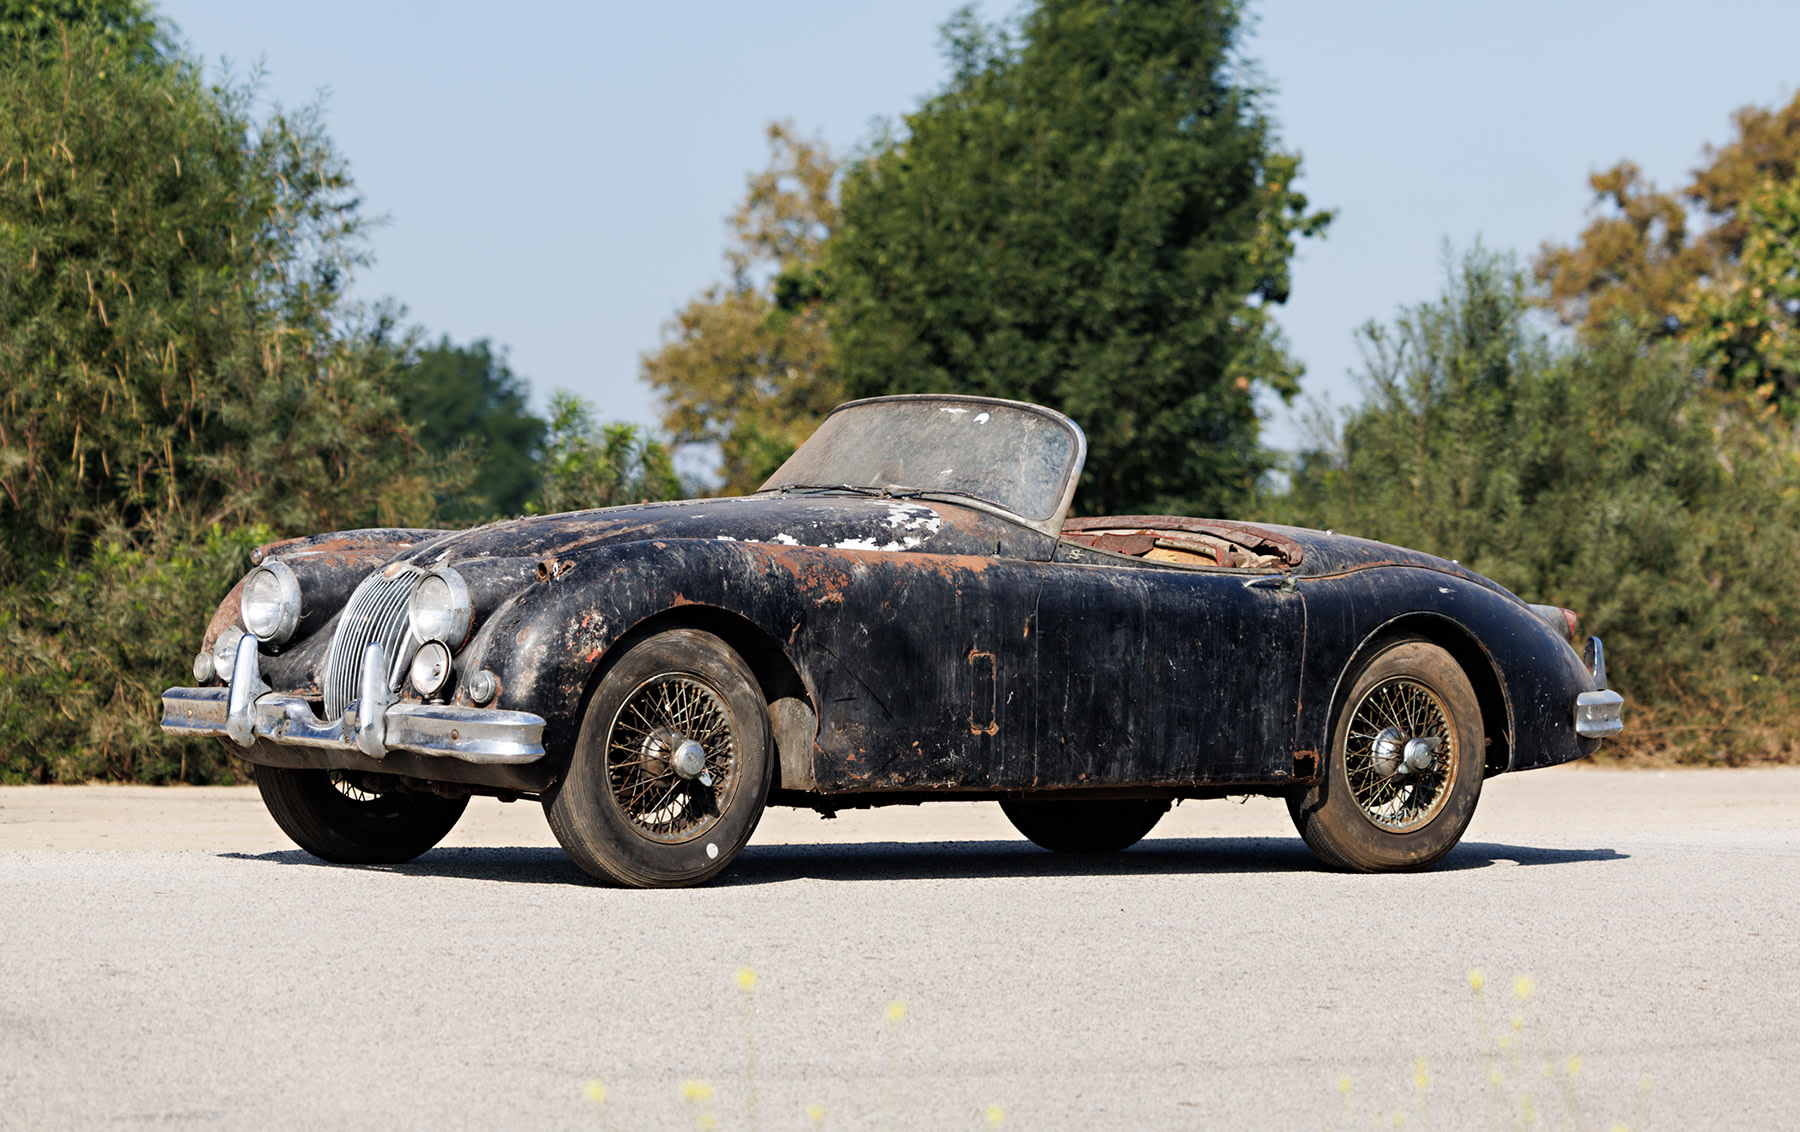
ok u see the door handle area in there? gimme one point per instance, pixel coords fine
(1280, 583)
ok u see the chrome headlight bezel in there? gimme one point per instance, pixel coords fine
(440, 609)
(277, 614)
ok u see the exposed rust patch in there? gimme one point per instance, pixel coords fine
(983, 693)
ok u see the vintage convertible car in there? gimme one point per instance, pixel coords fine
(902, 614)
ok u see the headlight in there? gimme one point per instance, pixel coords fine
(271, 602)
(431, 668)
(224, 653)
(440, 609)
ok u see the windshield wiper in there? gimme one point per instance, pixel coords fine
(785, 488)
(891, 491)
(897, 491)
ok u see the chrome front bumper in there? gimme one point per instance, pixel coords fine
(1597, 713)
(247, 711)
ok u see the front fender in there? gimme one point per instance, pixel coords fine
(547, 643)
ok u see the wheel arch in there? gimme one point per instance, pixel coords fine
(793, 712)
(1468, 652)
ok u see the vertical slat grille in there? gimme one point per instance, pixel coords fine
(375, 612)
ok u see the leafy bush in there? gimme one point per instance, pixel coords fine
(184, 378)
(1600, 476)
(87, 649)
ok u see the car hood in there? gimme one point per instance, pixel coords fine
(845, 522)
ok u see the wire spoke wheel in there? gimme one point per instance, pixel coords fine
(1404, 770)
(357, 789)
(666, 798)
(1395, 791)
(672, 767)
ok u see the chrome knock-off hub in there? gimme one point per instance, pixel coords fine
(689, 759)
(1393, 755)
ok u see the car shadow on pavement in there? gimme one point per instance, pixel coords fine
(762, 864)
(947, 860)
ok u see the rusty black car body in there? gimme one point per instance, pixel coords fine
(907, 644)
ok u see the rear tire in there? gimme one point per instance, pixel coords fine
(1373, 811)
(631, 811)
(355, 819)
(1086, 825)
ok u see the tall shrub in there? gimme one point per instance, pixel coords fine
(182, 373)
(1597, 475)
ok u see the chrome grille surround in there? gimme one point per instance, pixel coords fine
(375, 612)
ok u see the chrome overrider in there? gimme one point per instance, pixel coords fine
(247, 710)
(1597, 712)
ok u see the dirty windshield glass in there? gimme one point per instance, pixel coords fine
(1009, 456)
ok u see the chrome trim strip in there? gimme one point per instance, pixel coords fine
(1597, 714)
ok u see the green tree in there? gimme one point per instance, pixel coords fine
(1093, 216)
(1744, 325)
(746, 365)
(465, 400)
(128, 27)
(1595, 475)
(1710, 266)
(183, 376)
(590, 464)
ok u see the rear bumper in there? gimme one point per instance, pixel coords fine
(246, 711)
(1597, 714)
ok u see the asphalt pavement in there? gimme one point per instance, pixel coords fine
(170, 961)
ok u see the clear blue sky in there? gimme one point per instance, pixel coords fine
(556, 175)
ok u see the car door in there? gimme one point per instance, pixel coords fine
(1148, 673)
(922, 666)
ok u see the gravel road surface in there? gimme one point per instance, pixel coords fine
(171, 961)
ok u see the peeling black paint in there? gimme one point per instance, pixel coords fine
(948, 652)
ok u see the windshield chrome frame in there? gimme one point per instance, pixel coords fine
(1051, 526)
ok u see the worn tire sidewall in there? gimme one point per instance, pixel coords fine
(1339, 829)
(330, 826)
(584, 812)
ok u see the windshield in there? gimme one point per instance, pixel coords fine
(1016, 456)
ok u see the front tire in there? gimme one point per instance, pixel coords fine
(672, 766)
(355, 819)
(1405, 767)
(1086, 825)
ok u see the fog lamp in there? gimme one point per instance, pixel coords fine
(431, 668)
(224, 654)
